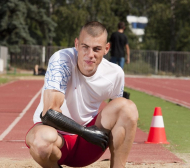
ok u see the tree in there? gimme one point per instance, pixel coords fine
(71, 15)
(13, 29)
(24, 22)
(168, 26)
(40, 24)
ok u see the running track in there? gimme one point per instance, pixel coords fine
(18, 101)
(171, 89)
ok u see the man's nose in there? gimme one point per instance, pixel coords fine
(90, 52)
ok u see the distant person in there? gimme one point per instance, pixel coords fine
(39, 70)
(120, 51)
(119, 44)
(68, 130)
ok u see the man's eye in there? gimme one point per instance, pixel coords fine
(97, 49)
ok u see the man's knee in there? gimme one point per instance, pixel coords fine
(128, 111)
(41, 148)
(41, 141)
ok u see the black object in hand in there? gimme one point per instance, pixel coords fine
(92, 134)
(95, 136)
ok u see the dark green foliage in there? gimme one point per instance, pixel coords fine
(168, 27)
(34, 22)
(58, 22)
(25, 22)
(70, 17)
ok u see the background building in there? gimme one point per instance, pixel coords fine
(137, 25)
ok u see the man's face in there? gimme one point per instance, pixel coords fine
(90, 52)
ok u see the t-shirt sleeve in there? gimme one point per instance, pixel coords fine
(118, 86)
(58, 72)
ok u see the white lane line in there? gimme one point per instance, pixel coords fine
(15, 141)
(156, 85)
(11, 126)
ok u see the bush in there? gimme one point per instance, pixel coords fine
(138, 67)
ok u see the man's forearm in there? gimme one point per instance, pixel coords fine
(128, 54)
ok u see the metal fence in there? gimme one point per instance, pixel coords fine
(141, 61)
(174, 63)
(50, 50)
(28, 57)
(159, 63)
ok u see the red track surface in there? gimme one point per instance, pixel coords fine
(174, 90)
(15, 96)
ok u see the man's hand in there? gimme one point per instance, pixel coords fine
(95, 136)
(127, 61)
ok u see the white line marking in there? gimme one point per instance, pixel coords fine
(158, 85)
(24, 147)
(170, 99)
(15, 141)
(11, 126)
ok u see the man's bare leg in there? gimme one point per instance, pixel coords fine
(45, 144)
(120, 116)
(36, 69)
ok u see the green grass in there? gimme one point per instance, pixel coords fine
(176, 119)
(18, 74)
(4, 80)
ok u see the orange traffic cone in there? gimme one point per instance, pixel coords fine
(157, 131)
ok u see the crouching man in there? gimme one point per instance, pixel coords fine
(68, 129)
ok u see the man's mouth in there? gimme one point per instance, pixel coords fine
(89, 62)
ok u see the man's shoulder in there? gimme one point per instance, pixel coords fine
(66, 51)
(114, 33)
(111, 68)
(118, 34)
(64, 54)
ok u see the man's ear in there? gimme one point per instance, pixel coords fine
(107, 48)
(76, 43)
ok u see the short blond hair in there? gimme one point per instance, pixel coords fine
(94, 29)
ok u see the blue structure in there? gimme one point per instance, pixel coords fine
(137, 24)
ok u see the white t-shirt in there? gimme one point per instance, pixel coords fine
(83, 95)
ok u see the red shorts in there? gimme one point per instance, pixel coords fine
(77, 152)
